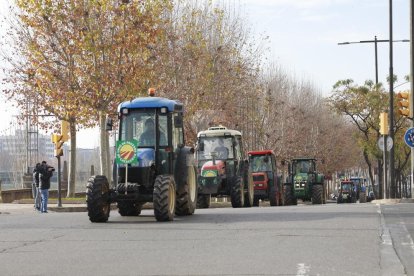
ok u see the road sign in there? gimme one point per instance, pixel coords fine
(409, 137)
(126, 152)
(390, 143)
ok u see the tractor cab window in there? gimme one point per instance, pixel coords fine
(346, 187)
(178, 136)
(222, 146)
(260, 163)
(302, 167)
(140, 125)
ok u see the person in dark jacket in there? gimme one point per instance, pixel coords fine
(46, 173)
(35, 186)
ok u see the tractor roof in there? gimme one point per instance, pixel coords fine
(218, 131)
(303, 158)
(152, 102)
(261, 152)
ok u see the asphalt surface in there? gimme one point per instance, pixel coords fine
(345, 239)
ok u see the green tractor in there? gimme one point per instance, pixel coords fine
(304, 183)
(163, 171)
(224, 169)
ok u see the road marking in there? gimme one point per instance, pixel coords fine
(303, 269)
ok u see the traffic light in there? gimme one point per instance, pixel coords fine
(383, 123)
(65, 130)
(57, 139)
(404, 99)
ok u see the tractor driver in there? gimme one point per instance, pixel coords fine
(147, 138)
(222, 150)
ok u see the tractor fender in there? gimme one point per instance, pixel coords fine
(184, 159)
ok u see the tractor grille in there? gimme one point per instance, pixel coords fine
(300, 184)
(258, 178)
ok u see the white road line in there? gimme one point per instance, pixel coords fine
(303, 269)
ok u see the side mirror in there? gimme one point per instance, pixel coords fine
(201, 146)
(178, 121)
(108, 124)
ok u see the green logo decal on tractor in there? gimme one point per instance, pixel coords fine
(126, 152)
(209, 173)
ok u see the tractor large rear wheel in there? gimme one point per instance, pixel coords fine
(97, 199)
(164, 198)
(288, 198)
(187, 194)
(203, 201)
(129, 208)
(237, 192)
(317, 194)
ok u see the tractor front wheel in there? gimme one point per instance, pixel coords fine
(203, 201)
(288, 195)
(129, 208)
(164, 198)
(249, 195)
(317, 194)
(237, 193)
(256, 201)
(97, 199)
(274, 197)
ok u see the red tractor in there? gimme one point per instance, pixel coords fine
(265, 178)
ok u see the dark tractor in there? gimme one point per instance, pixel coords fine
(304, 183)
(346, 193)
(265, 179)
(165, 173)
(224, 171)
(360, 188)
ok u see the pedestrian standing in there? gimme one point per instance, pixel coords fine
(35, 186)
(46, 173)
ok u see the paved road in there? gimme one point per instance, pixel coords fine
(345, 239)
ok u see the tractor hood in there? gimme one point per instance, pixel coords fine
(212, 170)
(300, 177)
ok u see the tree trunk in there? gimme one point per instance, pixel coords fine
(72, 161)
(104, 147)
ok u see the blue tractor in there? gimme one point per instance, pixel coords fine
(165, 172)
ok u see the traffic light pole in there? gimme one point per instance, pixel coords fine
(59, 182)
(412, 87)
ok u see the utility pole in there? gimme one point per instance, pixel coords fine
(391, 108)
(412, 87)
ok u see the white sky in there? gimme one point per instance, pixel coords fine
(304, 35)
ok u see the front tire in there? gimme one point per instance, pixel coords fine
(317, 194)
(203, 201)
(129, 208)
(288, 195)
(164, 198)
(237, 193)
(97, 199)
(187, 195)
(249, 195)
(274, 197)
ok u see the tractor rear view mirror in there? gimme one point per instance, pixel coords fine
(201, 146)
(108, 124)
(178, 121)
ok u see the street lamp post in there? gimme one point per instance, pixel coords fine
(383, 188)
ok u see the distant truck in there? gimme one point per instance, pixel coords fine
(267, 184)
